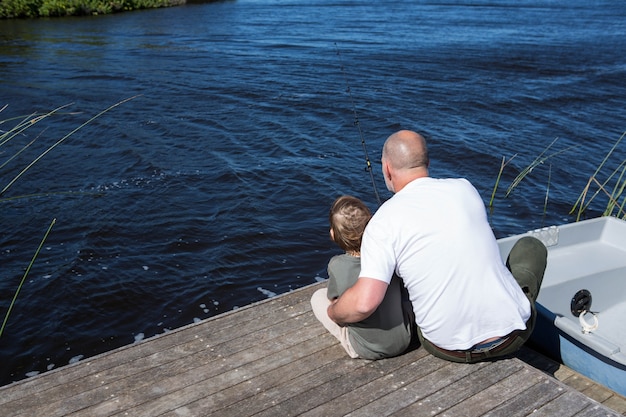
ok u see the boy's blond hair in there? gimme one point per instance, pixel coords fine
(348, 217)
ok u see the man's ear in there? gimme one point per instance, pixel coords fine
(386, 171)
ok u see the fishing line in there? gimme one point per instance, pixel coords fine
(358, 125)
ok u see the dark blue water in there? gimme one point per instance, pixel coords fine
(210, 190)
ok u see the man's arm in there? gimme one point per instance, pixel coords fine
(358, 302)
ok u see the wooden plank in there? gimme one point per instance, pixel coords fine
(211, 369)
(385, 377)
(564, 405)
(304, 392)
(528, 400)
(460, 391)
(617, 403)
(597, 392)
(245, 396)
(419, 389)
(538, 361)
(230, 325)
(272, 398)
(274, 358)
(127, 368)
(209, 391)
(331, 392)
(595, 410)
(573, 379)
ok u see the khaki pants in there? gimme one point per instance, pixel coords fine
(319, 304)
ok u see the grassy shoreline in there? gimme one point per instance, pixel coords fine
(20, 9)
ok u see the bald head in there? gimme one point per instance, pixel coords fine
(406, 150)
(405, 158)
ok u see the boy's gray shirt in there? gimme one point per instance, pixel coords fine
(387, 332)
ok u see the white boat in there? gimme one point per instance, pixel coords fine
(581, 306)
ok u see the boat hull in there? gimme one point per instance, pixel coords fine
(560, 346)
(588, 255)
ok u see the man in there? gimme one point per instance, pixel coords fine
(435, 235)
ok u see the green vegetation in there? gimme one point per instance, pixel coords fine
(539, 160)
(15, 133)
(503, 164)
(19, 287)
(615, 181)
(613, 187)
(54, 8)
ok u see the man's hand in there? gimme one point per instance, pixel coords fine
(358, 302)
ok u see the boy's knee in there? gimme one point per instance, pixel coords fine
(319, 296)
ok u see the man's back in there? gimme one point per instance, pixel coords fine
(436, 234)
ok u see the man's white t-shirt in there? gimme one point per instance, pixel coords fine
(435, 235)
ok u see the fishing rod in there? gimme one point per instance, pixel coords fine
(358, 125)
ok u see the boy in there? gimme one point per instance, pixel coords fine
(385, 333)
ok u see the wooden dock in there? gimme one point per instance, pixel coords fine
(273, 358)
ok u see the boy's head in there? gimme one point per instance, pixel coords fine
(348, 217)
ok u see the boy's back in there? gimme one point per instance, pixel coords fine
(387, 332)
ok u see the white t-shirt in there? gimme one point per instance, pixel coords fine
(435, 235)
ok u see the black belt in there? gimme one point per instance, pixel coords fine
(483, 350)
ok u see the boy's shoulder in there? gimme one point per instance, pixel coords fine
(344, 267)
(343, 272)
(344, 259)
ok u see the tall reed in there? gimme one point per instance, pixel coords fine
(539, 160)
(503, 164)
(536, 162)
(617, 176)
(613, 186)
(19, 287)
(17, 131)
